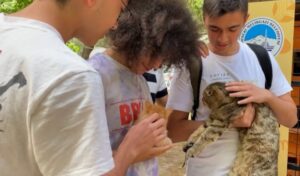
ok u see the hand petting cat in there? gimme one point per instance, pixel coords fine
(154, 131)
(283, 106)
(251, 92)
(161, 143)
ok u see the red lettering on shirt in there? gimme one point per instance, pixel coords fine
(125, 114)
(129, 112)
(135, 106)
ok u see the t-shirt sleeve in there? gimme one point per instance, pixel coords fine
(181, 93)
(161, 84)
(280, 85)
(69, 127)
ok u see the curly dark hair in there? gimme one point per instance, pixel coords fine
(156, 28)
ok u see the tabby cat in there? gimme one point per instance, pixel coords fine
(149, 109)
(259, 144)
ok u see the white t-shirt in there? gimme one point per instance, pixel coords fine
(96, 50)
(217, 158)
(124, 93)
(52, 116)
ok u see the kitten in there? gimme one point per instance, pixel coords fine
(257, 154)
(149, 109)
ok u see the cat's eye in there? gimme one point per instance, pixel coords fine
(209, 93)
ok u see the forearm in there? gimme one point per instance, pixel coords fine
(179, 129)
(283, 106)
(123, 159)
(284, 109)
(139, 144)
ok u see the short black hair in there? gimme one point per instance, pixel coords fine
(217, 8)
(156, 28)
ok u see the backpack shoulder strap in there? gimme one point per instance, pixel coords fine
(264, 61)
(195, 69)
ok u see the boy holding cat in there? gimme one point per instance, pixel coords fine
(229, 61)
(149, 33)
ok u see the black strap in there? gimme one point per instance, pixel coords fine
(264, 61)
(195, 68)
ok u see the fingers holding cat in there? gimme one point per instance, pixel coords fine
(249, 91)
(143, 137)
(154, 151)
(245, 119)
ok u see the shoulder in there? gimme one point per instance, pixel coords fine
(97, 50)
(55, 65)
(105, 65)
(60, 58)
(245, 48)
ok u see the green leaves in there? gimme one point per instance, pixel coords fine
(195, 7)
(10, 6)
(74, 46)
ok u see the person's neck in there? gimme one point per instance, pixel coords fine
(117, 56)
(49, 12)
(232, 51)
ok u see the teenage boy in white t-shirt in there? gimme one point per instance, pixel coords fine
(52, 110)
(228, 61)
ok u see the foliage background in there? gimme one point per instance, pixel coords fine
(10, 6)
(195, 7)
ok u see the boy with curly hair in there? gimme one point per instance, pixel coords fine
(148, 34)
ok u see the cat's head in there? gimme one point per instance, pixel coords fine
(215, 95)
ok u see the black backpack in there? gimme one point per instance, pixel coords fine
(195, 69)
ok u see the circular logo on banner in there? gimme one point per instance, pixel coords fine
(264, 31)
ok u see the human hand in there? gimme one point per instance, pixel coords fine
(142, 138)
(249, 91)
(245, 119)
(203, 49)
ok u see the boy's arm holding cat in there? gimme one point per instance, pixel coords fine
(139, 144)
(180, 127)
(283, 106)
